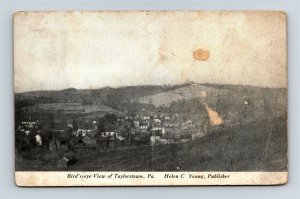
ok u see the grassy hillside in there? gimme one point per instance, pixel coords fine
(259, 146)
(92, 96)
(234, 104)
(183, 93)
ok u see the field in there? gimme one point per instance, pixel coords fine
(182, 93)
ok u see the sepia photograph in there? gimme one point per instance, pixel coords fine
(150, 98)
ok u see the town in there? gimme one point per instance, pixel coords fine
(148, 128)
(108, 121)
(110, 133)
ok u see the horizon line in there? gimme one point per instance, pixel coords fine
(116, 87)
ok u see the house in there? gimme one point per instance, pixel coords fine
(70, 123)
(144, 125)
(136, 123)
(145, 117)
(30, 124)
(186, 125)
(119, 140)
(168, 123)
(155, 140)
(143, 131)
(156, 120)
(157, 129)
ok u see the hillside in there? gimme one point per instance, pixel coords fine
(107, 96)
(252, 134)
(183, 93)
(234, 104)
(251, 147)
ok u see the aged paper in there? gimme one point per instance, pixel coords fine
(150, 98)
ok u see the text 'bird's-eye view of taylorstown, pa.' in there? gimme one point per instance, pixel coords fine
(128, 113)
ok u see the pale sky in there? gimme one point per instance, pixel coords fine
(59, 50)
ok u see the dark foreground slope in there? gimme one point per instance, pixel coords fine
(257, 146)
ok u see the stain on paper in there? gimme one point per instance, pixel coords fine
(201, 54)
(214, 116)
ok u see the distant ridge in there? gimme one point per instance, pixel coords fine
(69, 89)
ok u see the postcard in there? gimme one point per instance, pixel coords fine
(150, 98)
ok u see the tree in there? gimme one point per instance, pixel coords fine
(108, 122)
